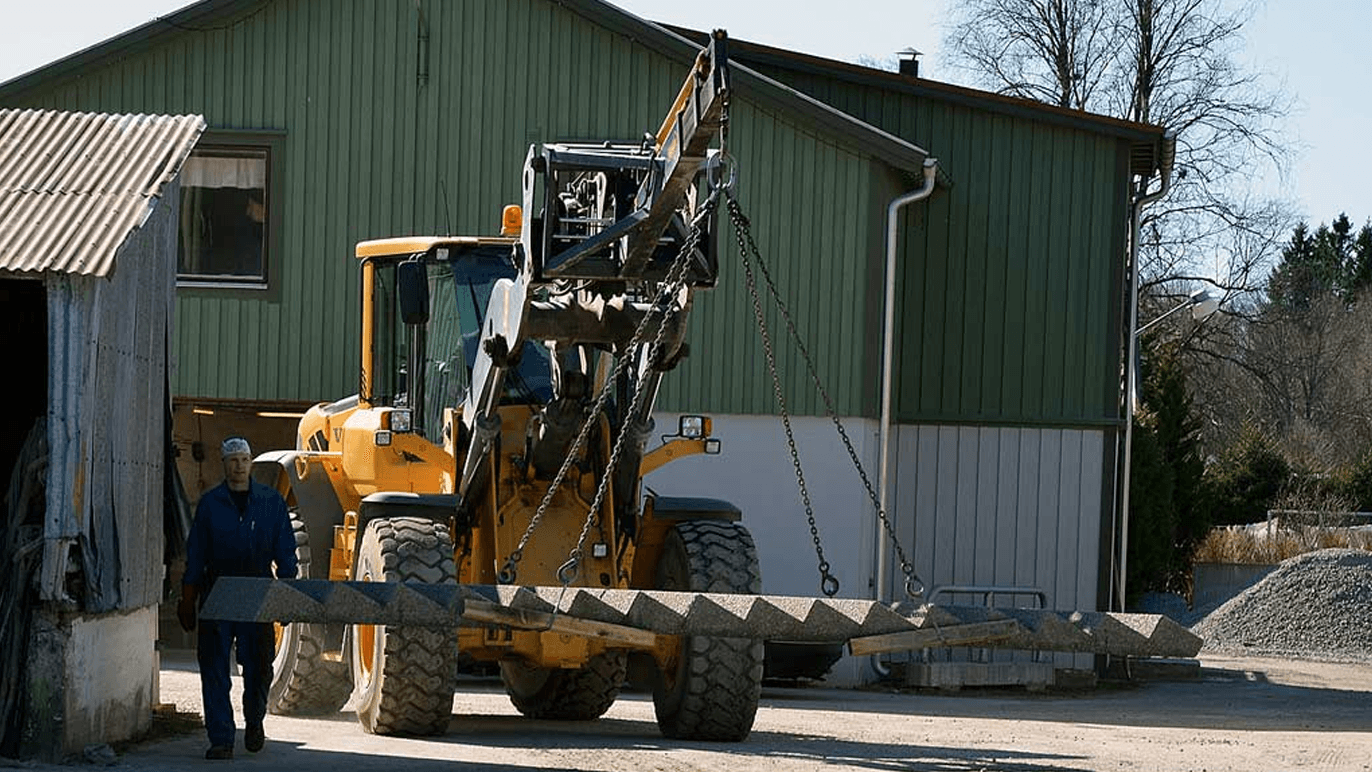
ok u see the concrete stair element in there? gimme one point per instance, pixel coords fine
(764, 617)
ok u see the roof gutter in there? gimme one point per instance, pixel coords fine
(1141, 201)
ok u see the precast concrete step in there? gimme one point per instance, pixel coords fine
(763, 617)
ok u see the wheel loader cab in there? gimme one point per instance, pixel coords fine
(422, 307)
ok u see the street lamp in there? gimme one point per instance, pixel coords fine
(1202, 305)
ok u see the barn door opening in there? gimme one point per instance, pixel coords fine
(24, 353)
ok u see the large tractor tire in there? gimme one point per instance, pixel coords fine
(305, 681)
(405, 675)
(566, 695)
(713, 692)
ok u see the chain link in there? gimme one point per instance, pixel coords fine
(676, 277)
(914, 588)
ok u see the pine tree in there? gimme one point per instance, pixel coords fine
(1168, 516)
(1359, 273)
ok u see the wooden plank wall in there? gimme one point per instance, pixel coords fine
(108, 360)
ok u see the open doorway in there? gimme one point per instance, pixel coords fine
(24, 350)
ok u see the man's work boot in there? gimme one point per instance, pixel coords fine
(217, 752)
(253, 738)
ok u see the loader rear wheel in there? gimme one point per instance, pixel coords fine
(713, 692)
(305, 681)
(579, 694)
(405, 674)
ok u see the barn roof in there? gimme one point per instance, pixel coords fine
(747, 83)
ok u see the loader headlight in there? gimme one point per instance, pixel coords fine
(383, 438)
(401, 420)
(693, 427)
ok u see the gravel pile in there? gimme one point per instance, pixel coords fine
(1317, 606)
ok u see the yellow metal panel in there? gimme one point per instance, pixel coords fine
(409, 245)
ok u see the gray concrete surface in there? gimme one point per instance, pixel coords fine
(1241, 715)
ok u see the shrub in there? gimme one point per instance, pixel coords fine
(1246, 480)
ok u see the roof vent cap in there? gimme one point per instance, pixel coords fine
(909, 62)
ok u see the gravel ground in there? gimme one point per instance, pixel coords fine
(1313, 606)
(1240, 715)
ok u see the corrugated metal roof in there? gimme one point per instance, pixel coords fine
(74, 186)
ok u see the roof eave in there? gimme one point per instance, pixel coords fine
(757, 87)
(1143, 138)
(160, 27)
(893, 150)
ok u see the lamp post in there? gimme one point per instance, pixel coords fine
(1202, 305)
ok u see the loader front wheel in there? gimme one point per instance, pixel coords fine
(305, 680)
(405, 675)
(713, 690)
(579, 694)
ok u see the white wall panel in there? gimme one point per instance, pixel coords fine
(972, 505)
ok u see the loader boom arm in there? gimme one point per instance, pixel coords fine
(610, 218)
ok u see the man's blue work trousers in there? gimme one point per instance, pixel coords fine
(256, 647)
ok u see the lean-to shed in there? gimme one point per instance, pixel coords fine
(88, 222)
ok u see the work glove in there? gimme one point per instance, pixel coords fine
(185, 610)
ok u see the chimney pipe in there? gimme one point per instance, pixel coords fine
(909, 62)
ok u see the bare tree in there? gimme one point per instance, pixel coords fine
(1054, 51)
(1171, 63)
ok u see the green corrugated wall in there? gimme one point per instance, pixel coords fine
(370, 152)
(1010, 286)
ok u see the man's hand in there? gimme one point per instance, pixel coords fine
(185, 610)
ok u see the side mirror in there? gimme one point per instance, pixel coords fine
(412, 287)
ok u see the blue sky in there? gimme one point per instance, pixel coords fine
(1316, 47)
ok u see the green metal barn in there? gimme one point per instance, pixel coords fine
(335, 121)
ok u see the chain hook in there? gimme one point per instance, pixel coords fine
(914, 588)
(567, 572)
(721, 174)
(509, 571)
(828, 584)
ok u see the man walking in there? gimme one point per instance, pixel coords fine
(241, 527)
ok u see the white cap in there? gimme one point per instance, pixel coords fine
(232, 445)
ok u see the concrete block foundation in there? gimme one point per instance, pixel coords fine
(90, 680)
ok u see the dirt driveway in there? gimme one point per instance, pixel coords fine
(1244, 715)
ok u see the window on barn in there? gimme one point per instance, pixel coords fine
(225, 201)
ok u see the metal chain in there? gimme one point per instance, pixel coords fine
(914, 587)
(828, 583)
(675, 277)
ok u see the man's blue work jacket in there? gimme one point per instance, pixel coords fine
(224, 542)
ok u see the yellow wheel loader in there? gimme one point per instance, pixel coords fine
(480, 496)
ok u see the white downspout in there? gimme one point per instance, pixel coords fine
(888, 343)
(1141, 201)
